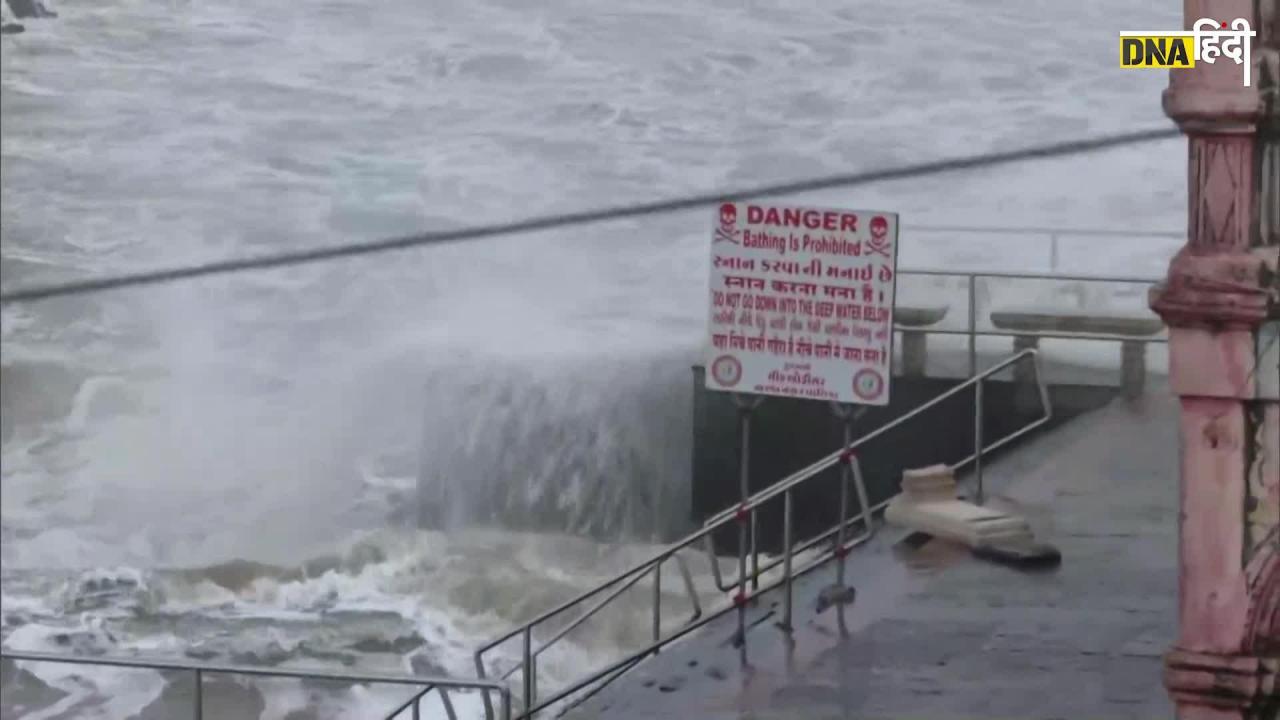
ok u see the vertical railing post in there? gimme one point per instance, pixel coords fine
(506, 703)
(746, 406)
(973, 325)
(786, 560)
(198, 695)
(417, 708)
(845, 413)
(861, 486)
(447, 702)
(745, 517)
(977, 438)
(744, 447)
(1053, 252)
(488, 702)
(741, 599)
(528, 671)
(844, 517)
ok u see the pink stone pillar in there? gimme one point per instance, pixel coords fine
(1221, 301)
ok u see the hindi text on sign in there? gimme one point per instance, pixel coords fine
(819, 294)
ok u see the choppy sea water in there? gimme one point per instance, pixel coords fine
(222, 469)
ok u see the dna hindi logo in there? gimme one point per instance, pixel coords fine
(1208, 41)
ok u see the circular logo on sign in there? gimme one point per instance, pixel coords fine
(868, 384)
(726, 370)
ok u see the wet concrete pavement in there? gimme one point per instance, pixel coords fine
(937, 634)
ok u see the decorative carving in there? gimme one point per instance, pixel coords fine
(1262, 623)
(1268, 23)
(1263, 479)
(1214, 281)
(1222, 182)
(1267, 57)
(1241, 683)
(1269, 191)
(1218, 291)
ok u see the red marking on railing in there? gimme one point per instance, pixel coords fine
(740, 599)
(841, 551)
(847, 457)
(742, 513)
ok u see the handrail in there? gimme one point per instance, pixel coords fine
(971, 325)
(562, 632)
(831, 460)
(1076, 232)
(199, 670)
(798, 477)
(626, 579)
(415, 701)
(1016, 275)
(746, 512)
(1051, 234)
(534, 704)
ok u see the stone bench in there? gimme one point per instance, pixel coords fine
(1133, 353)
(911, 321)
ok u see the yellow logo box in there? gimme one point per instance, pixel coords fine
(1157, 51)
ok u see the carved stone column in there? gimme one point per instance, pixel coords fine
(1221, 301)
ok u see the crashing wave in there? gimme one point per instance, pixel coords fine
(598, 448)
(117, 590)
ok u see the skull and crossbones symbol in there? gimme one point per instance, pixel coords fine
(879, 243)
(728, 218)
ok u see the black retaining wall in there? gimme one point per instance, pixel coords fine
(788, 434)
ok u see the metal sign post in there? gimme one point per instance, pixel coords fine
(746, 535)
(800, 305)
(847, 414)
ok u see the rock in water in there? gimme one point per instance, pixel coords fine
(29, 9)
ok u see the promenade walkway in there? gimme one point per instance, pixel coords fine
(937, 634)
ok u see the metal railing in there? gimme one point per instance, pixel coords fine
(973, 332)
(1052, 236)
(744, 513)
(424, 685)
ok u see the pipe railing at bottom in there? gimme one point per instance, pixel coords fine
(744, 513)
(634, 657)
(415, 704)
(620, 584)
(198, 671)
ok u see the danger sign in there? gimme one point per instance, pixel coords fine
(801, 302)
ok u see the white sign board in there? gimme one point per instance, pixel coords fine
(802, 302)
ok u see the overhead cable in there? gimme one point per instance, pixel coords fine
(563, 220)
